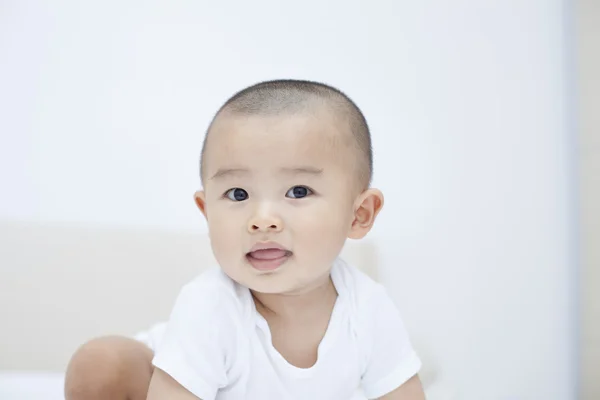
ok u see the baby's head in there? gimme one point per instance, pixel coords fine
(286, 167)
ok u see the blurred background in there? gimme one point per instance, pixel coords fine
(486, 135)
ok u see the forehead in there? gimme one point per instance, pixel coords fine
(317, 139)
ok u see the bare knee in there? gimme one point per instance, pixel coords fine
(109, 368)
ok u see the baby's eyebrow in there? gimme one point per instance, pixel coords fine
(302, 170)
(225, 172)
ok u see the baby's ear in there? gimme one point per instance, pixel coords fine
(366, 207)
(200, 199)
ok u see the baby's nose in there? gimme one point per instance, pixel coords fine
(265, 223)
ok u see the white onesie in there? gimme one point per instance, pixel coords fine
(219, 347)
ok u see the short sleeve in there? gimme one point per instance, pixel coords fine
(192, 350)
(390, 358)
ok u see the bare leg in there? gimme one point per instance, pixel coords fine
(109, 368)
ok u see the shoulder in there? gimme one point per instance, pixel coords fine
(373, 313)
(212, 296)
(359, 289)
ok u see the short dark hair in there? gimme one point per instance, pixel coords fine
(290, 95)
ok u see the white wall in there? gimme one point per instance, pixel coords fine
(103, 106)
(588, 97)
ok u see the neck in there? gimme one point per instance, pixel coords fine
(298, 302)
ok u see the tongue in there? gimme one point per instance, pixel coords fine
(268, 254)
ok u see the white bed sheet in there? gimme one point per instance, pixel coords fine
(49, 386)
(31, 386)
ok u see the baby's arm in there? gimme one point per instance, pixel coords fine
(189, 361)
(410, 390)
(163, 387)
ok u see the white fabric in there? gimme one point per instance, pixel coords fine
(219, 347)
(27, 385)
(21, 385)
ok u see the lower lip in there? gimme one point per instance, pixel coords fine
(267, 265)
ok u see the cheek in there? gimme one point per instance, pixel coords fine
(323, 224)
(224, 230)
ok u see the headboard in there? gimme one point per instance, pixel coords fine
(62, 285)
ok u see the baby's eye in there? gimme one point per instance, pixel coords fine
(298, 192)
(236, 194)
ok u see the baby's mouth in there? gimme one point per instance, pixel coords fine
(268, 259)
(269, 254)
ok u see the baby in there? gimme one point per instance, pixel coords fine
(286, 168)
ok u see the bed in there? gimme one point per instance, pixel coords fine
(31, 385)
(62, 285)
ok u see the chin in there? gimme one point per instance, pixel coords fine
(263, 282)
(268, 284)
